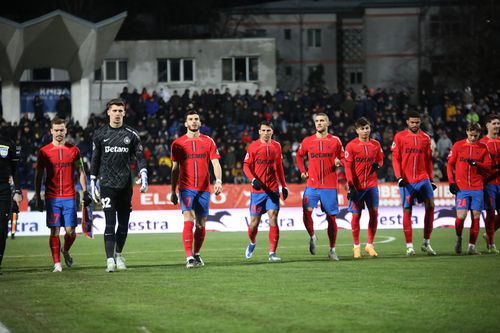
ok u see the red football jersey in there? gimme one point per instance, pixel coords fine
(264, 162)
(321, 154)
(412, 156)
(359, 157)
(459, 171)
(60, 164)
(493, 146)
(194, 156)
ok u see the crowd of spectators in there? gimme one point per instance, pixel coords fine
(231, 118)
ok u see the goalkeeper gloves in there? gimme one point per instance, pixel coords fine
(375, 166)
(256, 184)
(94, 189)
(144, 180)
(402, 182)
(454, 188)
(471, 162)
(434, 186)
(351, 193)
(284, 191)
(87, 199)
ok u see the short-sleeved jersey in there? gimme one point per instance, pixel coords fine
(194, 156)
(359, 157)
(412, 156)
(321, 154)
(113, 149)
(9, 161)
(459, 171)
(60, 164)
(264, 162)
(493, 146)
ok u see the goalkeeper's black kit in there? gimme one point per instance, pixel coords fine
(113, 152)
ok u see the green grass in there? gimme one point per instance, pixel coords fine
(304, 293)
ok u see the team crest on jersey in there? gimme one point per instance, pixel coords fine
(247, 156)
(4, 152)
(393, 145)
(126, 140)
(346, 154)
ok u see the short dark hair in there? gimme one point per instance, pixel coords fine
(57, 121)
(473, 127)
(492, 116)
(265, 123)
(191, 112)
(412, 114)
(115, 101)
(362, 122)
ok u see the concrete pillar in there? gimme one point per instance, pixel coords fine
(11, 101)
(80, 100)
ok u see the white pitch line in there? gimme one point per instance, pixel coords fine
(3, 328)
(143, 329)
(387, 239)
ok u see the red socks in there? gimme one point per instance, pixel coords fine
(407, 226)
(459, 227)
(55, 248)
(332, 229)
(252, 234)
(372, 226)
(474, 230)
(69, 239)
(355, 228)
(199, 237)
(187, 237)
(489, 225)
(308, 221)
(274, 237)
(428, 223)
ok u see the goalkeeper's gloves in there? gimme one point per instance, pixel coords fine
(87, 198)
(454, 188)
(144, 180)
(471, 162)
(94, 189)
(284, 192)
(351, 193)
(402, 182)
(434, 186)
(256, 184)
(375, 166)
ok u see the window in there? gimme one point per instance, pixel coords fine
(314, 37)
(288, 34)
(42, 74)
(240, 69)
(112, 70)
(256, 33)
(288, 70)
(355, 78)
(175, 70)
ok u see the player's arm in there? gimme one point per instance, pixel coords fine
(39, 171)
(380, 156)
(452, 161)
(14, 172)
(218, 176)
(339, 153)
(95, 163)
(174, 180)
(279, 167)
(349, 165)
(396, 157)
(248, 165)
(429, 166)
(82, 177)
(301, 152)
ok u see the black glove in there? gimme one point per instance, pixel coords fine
(256, 184)
(402, 182)
(375, 166)
(454, 188)
(351, 193)
(434, 186)
(15, 207)
(497, 166)
(284, 192)
(87, 199)
(471, 162)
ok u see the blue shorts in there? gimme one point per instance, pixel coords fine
(327, 196)
(61, 212)
(260, 203)
(369, 196)
(199, 201)
(470, 199)
(416, 192)
(492, 197)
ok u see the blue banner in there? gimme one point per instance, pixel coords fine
(49, 92)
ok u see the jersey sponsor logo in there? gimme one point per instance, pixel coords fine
(203, 155)
(321, 155)
(364, 159)
(62, 164)
(126, 140)
(4, 151)
(260, 161)
(115, 149)
(414, 151)
(106, 140)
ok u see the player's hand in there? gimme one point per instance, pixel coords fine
(144, 181)
(454, 188)
(402, 182)
(471, 162)
(94, 189)
(337, 162)
(18, 197)
(38, 203)
(256, 184)
(375, 166)
(434, 186)
(304, 175)
(173, 198)
(351, 193)
(284, 192)
(218, 187)
(87, 198)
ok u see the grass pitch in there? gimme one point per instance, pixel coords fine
(304, 293)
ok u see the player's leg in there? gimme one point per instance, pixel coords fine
(372, 202)
(489, 221)
(257, 208)
(4, 226)
(201, 207)
(459, 227)
(274, 234)
(355, 207)
(187, 199)
(407, 200)
(427, 193)
(329, 203)
(108, 202)
(123, 209)
(70, 223)
(476, 205)
(307, 209)
(54, 221)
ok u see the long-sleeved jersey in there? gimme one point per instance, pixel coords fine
(359, 157)
(459, 171)
(412, 156)
(321, 154)
(493, 146)
(194, 156)
(9, 161)
(59, 163)
(113, 149)
(264, 162)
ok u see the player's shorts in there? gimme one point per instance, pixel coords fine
(370, 197)
(116, 199)
(416, 192)
(470, 200)
(61, 212)
(260, 203)
(492, 197)
(327, 196)
(199, 201)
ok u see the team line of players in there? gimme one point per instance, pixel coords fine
(473, 173)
